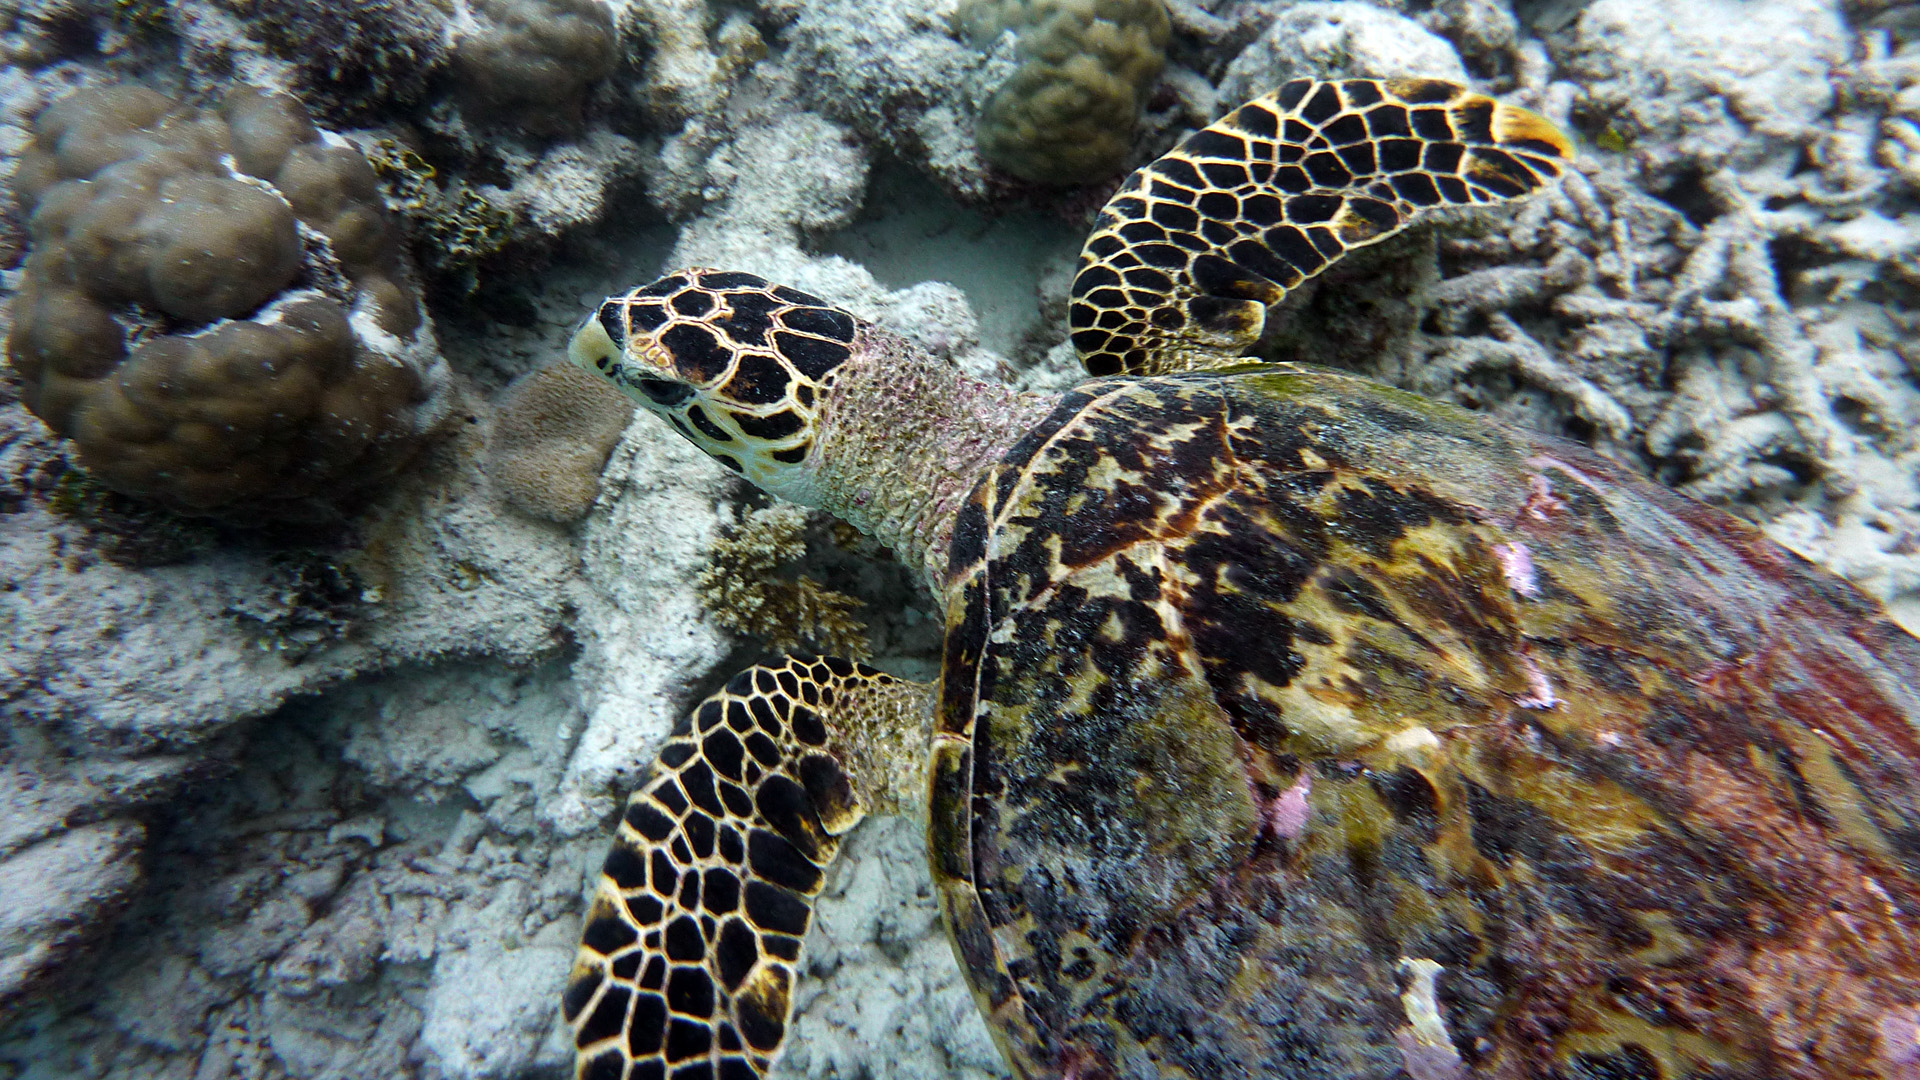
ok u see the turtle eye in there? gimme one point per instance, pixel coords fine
(663, 392)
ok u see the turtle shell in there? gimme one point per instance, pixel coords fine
(1294, 726)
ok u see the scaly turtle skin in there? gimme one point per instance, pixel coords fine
(1288, 725)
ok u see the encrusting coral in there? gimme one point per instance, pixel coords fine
(457, 228)
(740, 591)
(216, 306)
(551, 437)
(1066, 115)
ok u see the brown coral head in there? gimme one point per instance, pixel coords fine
(531, 65)
(552, 433)
(1066, 115)
(216, 307)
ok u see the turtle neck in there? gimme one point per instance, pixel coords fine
(904, 439)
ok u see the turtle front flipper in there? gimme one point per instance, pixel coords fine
(1188, 256)
(692, 942)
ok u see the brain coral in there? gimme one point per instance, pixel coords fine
(215, 306)
(1066, 115)
(551, 438)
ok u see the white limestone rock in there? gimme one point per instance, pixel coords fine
(1334, 41)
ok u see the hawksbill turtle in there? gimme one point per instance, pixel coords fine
(1288, 725)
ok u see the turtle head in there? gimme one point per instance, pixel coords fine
(738, 365)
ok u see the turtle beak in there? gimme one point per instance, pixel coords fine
(593, 348)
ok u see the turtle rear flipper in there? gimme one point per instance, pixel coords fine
(1191, 252)
(692, 942)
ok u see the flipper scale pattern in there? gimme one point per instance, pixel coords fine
(1189, 255)
(692, 944)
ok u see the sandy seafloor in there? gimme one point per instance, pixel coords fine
(242, 837)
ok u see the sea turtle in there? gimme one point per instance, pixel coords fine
(1289, 725)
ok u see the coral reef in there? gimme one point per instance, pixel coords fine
(465, 230)
(565, 187)
(896, 75)
(458, 228)
(369, 862)
(121, 684)
(1066, 114)
(684, 75)
(55, 879)
(900, 77)
(296, 924)
(43, 32)
(739, 588)
(688, 83)
(241, 340)
(475, 116)
(1782, 330)
(552, 432)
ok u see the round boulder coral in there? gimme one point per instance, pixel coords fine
(1067, 113)
(215, 306)
(531, 62)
